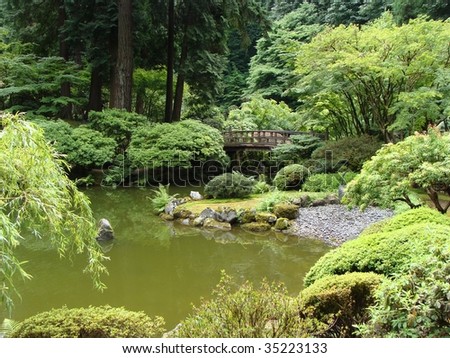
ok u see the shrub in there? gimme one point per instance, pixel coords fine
(347, 153)
(260, 187)
(301, 147)
(117, 124)
(327, 182)
(415, 303)
(229, 185)
(291, 177)
(176, 145)
(333, 304)
(267, 312)
(414, 216)
(161, 198)
(384, 253)
(92, 322)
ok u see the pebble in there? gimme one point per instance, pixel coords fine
(336, 224)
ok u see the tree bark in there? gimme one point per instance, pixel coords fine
(170, 59)
(95, 91)
(122, 79)
(66, 112)
(178, 101)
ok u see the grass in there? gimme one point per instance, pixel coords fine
(252, 202)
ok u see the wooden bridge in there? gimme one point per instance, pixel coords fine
(256, 140)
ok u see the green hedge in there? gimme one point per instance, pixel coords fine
(334, 304)
(92, 322)
(385, 253)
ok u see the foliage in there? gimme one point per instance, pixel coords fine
(415, 303)
(273, 198)
(385, 253)
(243, 313)
(91, 322)
(177, 144)
(291, 177)
(346, 153)
(422, 215)
(357, 79)
(327, 182)
(150, 90)
(420, 161)
(229, 185)
(116, 124)
(334, 304)
(161, 198)
(301, 147)
(265, 114)
(261, 187)
(36, 197)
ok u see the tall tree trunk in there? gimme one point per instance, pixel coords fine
(122, 79)
(95, 91)
(170, 59)
(66, 112)
(178, 101)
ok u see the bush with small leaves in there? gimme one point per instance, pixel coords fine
(384, 253)
(334, 304)
(229, 185)
(291, 177)
(267, 312)
(92, 322)
(327, 182)
(301, 147)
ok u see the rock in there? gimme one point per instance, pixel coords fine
(332, 200)
(256, 227)
(227, 215)
(341, 191)
(319, 202)
(181, 213)
(195, 195)
(247, 216)
(289, 211)
(170, 207)
(266, 218)
(105, 231)
(185, 222)
(166, 217)
(281, 224)
(214, 224)
(207, 213)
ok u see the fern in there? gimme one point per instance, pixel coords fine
(161, 198)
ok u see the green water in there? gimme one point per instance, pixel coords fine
(159, 268)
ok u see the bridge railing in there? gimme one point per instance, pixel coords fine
(257, 138)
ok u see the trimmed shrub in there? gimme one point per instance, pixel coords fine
(92, 322)
(291, 177)
(334, 304)
(347, 153)
(414, 216)
(267, 312)
(229, 185)
(384, 253)
(327, 182)
(415, 303)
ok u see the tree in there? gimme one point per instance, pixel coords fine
(38, 200)
(357, 80)
(420, 161)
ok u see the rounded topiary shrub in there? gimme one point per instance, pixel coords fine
(334, 304)
(291, 177)
(229, 185)
(384, 253)
(92, 322)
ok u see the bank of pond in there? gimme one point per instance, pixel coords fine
(243, 283)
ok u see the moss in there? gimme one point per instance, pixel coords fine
(181, 212)
(247, 216)
(281, 224)
(92, 322)
(214, 224)
(288, 211)
(166, 217)
(334, 304)
(256, 227)
(266, 218)
(385, 253)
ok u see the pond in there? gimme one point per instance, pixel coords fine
(159, 268)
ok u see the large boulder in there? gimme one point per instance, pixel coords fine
(181, 213)
(227, 215)
(207, 213)
(247, 216)
(256, 227)
(105, 230)
(264, 217)
(281, 224)
(288, 211)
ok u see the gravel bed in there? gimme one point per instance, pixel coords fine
(335, 224)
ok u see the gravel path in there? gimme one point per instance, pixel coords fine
(335, 224)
